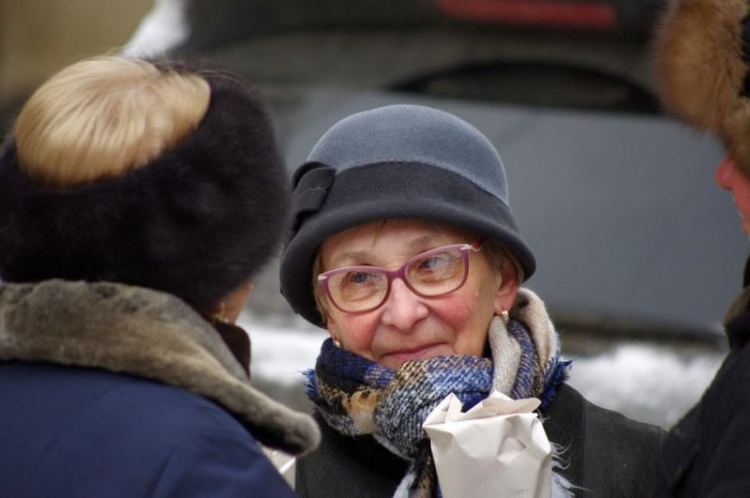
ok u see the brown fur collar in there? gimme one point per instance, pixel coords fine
(701, 70)
(144, 333)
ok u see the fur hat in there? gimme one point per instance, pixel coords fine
(195, 222)
(400, 161)
(702, 65)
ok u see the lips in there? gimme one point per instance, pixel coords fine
(418, 353)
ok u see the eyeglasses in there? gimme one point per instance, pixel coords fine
(437, 272)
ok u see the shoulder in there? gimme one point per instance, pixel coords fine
(213, 460)
(150, 432)
(606, 452)
(725, 405)
(571, 413)
(162, 416)
(364, 467)
(152, 409)
(203, 447)
(707, 450)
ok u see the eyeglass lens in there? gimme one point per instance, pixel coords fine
(429, 274)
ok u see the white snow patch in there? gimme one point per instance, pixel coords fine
(162, 29)
(281, 354)
(647, 382)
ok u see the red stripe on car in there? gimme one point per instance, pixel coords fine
(534, 13)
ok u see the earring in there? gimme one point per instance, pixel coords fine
(505, 316)
(219, 316)
(337, 343)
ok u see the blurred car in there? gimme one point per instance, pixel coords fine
(605, 188)
(635, 246)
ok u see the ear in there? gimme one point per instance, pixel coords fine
(508, 286)
(230, 306)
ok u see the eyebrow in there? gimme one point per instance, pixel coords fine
(415, 246)
(421, 243)
(348, 256)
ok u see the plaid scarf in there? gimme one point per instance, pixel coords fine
(357, 396)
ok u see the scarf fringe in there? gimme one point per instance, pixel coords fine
(561, 487)
(405, 487)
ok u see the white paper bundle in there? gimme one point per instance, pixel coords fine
(498, 448)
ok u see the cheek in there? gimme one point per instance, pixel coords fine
(356, 332)
(467, 315)
(456, 310)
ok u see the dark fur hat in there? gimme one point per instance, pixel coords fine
(702, 66)
(195, 222)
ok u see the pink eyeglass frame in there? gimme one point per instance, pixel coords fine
(391, 275)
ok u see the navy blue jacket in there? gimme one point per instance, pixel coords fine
(114, 391)
(81, 432)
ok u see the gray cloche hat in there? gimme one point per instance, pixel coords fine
(396, 162)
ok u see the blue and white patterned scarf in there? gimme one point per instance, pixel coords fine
(357, 396)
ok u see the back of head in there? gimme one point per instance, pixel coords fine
(102, 117)
(155, 174)
(702, 56)
(396, 162)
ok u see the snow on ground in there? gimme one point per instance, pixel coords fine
(280, 352)
(164, 28)
(646, 382)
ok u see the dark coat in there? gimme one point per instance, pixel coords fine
(79, 432)
(707, 454)
(114, 391)
(607, 455)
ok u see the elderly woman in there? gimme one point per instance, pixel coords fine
(137, 201)
(406, 251)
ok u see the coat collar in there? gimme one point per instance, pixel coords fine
(145, 333)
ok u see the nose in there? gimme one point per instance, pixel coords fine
(725, 173)
(403, 309)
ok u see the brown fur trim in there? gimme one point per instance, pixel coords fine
(699, 60)
(145, 333)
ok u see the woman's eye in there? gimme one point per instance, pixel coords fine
(359, 277)
(359, 285)
(433, 262)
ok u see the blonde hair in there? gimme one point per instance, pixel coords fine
(104, 116)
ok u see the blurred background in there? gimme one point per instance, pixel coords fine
(639, 253)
